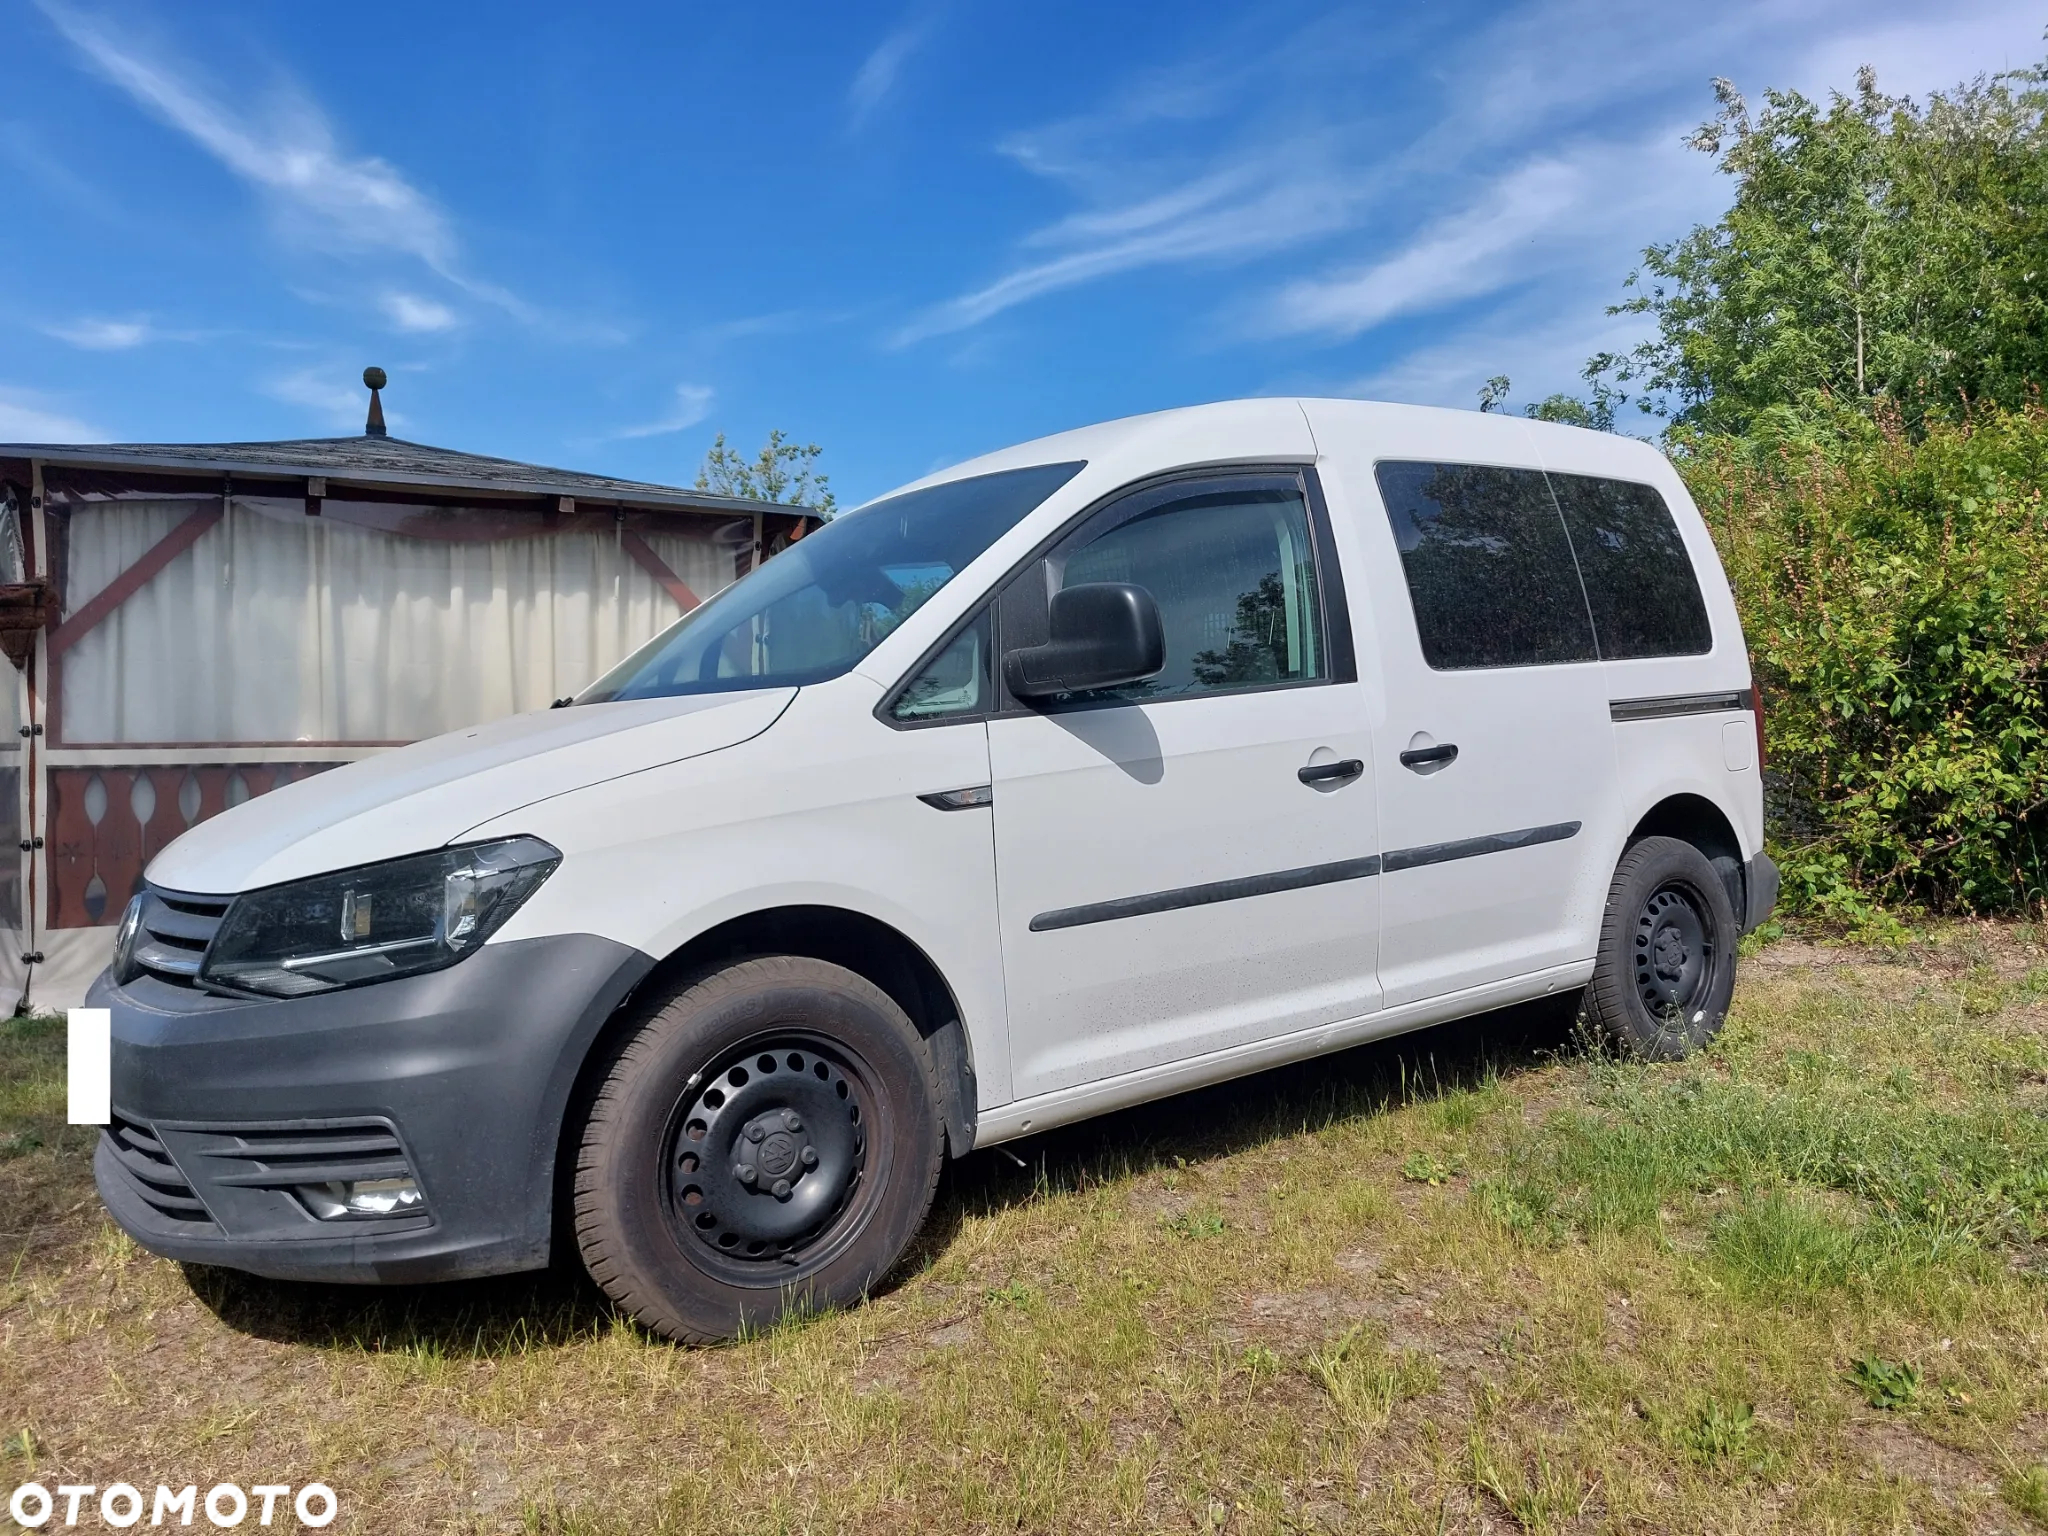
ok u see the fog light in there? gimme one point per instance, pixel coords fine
(362, 1197)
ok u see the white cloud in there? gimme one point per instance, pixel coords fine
(327, 394)
(1207, 162)
(691, 404)
(26, 418)
(341, 204)
(1540, 348)
(1234, 212)
(103, 335)
(1557, 219)
(23, 146)
(410, 312)
(880, 71)
(780, 322)
(1933, 53)
(1541, 300)
(1471, 252)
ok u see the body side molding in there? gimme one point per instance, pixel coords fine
(1473, 847)
(1202, 895)
(1297, 879)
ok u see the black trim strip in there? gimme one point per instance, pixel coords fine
(1203, 895)
(1298, 879)
(1472, 847)
(1680, 704)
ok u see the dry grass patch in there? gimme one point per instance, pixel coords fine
(1473, 1280)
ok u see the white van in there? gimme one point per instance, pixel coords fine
(1128, 760)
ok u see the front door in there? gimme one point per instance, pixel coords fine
(1184, 865)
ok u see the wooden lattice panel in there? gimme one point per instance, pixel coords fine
(106, 824)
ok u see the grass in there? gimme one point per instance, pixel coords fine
(1476, 1279)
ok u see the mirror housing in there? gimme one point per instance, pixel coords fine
(1104, 634)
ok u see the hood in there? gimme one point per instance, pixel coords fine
(426, 795)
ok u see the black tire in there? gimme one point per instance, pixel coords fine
(1666, 967)
(766, 1142)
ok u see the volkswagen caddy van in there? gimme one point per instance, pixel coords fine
(1125, 761)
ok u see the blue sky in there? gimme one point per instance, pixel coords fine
(595, 235)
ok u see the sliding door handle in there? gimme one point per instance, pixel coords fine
(1444, 752)
(1341, 772)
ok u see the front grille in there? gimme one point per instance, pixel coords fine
(259, 1176)
(258, 1181)
(147, 1169)
(313, 1153)
(175, 930)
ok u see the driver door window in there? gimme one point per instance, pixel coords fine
(1234, 573)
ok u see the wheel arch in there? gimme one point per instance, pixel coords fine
(1697, 820)
(865, 945)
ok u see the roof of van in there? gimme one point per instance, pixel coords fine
(1109, 437)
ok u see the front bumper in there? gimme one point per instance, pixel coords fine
(460, 1077)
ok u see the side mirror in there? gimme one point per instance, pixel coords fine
(1104, 634)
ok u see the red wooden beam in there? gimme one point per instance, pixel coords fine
(132, 580)
(657, 567)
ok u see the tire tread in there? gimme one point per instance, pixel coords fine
(616, 1272)
(1612, 1006)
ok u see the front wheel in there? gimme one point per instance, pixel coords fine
(1666, 967)
(767, 1141)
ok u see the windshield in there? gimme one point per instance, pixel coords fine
(826, 601)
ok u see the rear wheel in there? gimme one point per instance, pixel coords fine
(767, 1141)
(1666, 967)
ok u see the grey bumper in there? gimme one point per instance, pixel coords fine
(461, 1078)
(1760, 883)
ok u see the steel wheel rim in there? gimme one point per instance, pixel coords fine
(1673, 954)
(807, 1189)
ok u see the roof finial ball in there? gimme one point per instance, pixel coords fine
(374, 427)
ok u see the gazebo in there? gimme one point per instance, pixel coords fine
(193, 624)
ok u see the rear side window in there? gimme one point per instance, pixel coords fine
(1639, 580)
(1489, 566)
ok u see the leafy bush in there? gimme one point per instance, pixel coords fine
(1887, 1384)
(1714, 1432)
(1428, 1168)
(1894, 593)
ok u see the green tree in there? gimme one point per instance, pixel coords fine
(1596, 413)
(782, 471)
(1258, 641)
(1875, 249)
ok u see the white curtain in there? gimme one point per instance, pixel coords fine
(278, 627)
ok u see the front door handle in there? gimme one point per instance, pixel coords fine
(1424, 757)
(1342, 771)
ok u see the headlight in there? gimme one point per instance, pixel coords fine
(124, 941)
(370, 924)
